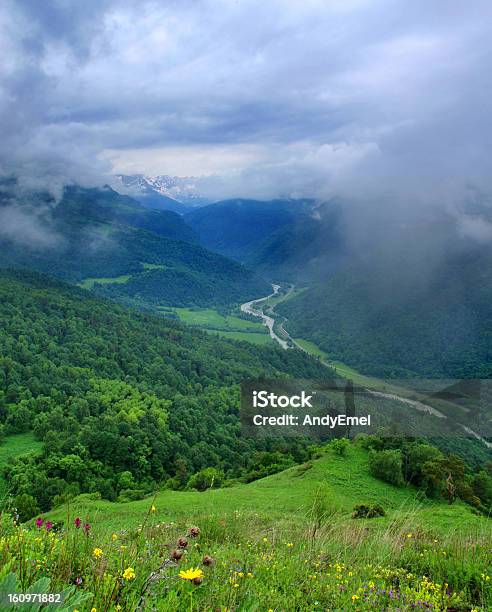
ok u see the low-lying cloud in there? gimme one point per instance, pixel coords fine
(278, 98)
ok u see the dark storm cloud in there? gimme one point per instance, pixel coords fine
(279, 97)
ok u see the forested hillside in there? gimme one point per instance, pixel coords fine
(284, 240)
(124, 401)
(386, 324)
(113, 245)
(237, 227)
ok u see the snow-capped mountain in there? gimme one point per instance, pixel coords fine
(171, 192)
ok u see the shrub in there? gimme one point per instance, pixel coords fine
(128, 495)
(368, 511)
(387, 465)
(340, 446)
(209, 478)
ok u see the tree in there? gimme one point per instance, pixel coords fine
(387, 465)
(27, 506)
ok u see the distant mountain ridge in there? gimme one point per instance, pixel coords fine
(175, 193)
(112, 244)
(283, 239)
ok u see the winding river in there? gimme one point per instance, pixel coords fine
(254, 308)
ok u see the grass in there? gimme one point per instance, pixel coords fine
(88, 283)
(15, 446)
(151, 266)
(227, 326)
(289, 495)
(283, 543)
(342, 369)
(253, 337)
(208, 317)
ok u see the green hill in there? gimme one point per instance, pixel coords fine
(101, 236)
(237, 227)
(287, 542)
(388, 324)
(123, 401)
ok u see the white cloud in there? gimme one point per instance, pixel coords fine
(279, 96)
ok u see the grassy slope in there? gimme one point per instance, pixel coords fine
(270, 551)
(288, 497)
(208, 317)
(227, 326)
(253, 337)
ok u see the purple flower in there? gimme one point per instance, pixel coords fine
(48, 525)
(39, 522)
(77, 522)
(78, 581)
(87, 528)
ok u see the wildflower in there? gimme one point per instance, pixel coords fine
(96, 553)
(93, 609)
(182, 542)
(409, 535)
(207, 560)
(129, 573)
(78, 581)
(118, 607)
(193, 532)
(39, 522)
(77, 522)
(265, 540)
(176, 554)
(153, 509)
(290, 545)
(87, 528)
(48, 525)
(191, 574)
(114, 537)
(355, 597)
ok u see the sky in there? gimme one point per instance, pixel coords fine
(259, 98)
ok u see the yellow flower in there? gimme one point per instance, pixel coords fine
(409, 535)
(354, 597)
(290, 545)
(118, 608)
(191, 574)
(96, 553)
(153, 509)
(114, 537)
(265, 540)
(93, 609)
(129, 573)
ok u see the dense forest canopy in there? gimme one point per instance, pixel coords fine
(387, 324)
(125, 401)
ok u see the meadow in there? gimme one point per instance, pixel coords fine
(225, 325)
(286, 542)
